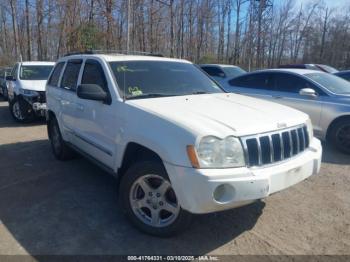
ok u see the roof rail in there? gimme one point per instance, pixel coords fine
(114, 52)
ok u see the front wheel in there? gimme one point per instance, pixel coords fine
(5, 94)
(21, 111)
(150, 201)
(340, 136)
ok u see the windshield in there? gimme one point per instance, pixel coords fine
(333, 83)
(232, 71)
(161, 78)
(35, 72)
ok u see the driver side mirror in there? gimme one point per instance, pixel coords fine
(308, 92)
(93, 92)
(10, 78)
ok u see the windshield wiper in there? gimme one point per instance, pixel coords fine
(200, 93)
(151, 95)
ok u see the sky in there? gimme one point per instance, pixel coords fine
(329, 3)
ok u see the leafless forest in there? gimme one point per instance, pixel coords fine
(250, 33)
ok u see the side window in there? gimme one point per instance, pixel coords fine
(256, 81)
(93, 74)
(290, 83)
(55, 77)
(71, 74)
(213, 71)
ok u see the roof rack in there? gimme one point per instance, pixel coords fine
(114, 52)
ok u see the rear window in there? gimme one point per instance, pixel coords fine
(35, 72)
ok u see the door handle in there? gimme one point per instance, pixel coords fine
(80, 107)
(277, 97)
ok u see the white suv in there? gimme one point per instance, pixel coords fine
(26, 89)
(177, 143)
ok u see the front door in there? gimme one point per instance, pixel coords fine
(97, 121)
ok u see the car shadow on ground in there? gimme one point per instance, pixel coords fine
(332, 156)
(53, 207)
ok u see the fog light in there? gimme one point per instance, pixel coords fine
(224, 193)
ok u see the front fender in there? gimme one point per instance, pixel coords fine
(165, 138)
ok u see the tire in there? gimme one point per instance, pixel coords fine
(59, 147)
(149, 201)
(339, 135)
(21, 111)
(5, 94)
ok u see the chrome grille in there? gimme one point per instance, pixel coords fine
(268, 148)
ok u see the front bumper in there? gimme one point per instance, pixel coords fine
(210, 190)
(38, 103)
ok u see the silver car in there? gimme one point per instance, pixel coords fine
(324, 97)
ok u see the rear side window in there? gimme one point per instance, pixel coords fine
(93, 74)
(55, 77)
(213, 71)
(256, 81)
(71, 74)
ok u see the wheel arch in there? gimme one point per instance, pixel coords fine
(135, 152)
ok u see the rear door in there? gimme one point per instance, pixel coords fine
(68, 97)
(286, 89)
(96, 121)
(53, 91)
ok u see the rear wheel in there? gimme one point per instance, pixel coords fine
(340, 135)
(150, 201)
(59, 147)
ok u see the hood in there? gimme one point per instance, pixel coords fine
(222, 114)
(36, 85)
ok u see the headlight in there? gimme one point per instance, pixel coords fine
(310, 130)
(213, 152)
(27, 92)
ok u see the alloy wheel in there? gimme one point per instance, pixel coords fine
(17, 112)
(153, 201)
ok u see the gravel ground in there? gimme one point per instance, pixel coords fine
(52, 207)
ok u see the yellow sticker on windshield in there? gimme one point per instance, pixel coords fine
(135, 91)
(123, 68)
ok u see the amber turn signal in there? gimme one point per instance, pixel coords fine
(191, 152)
